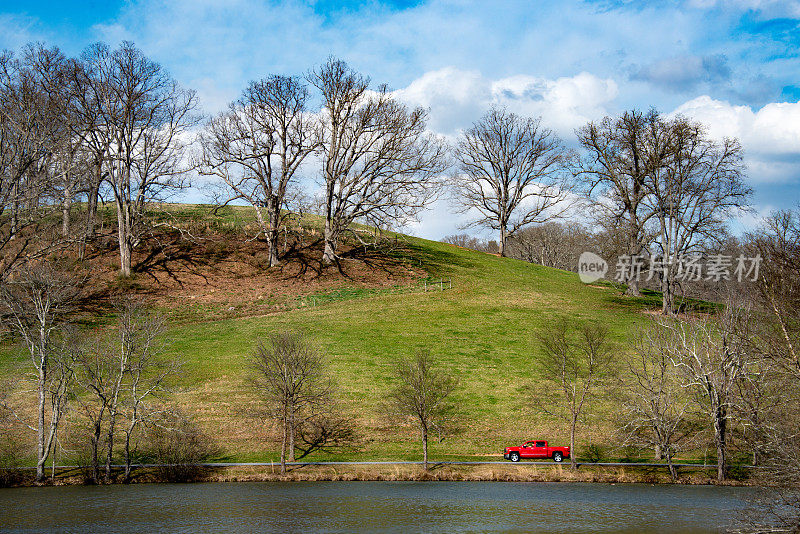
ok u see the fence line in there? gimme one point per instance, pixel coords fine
(441, 283)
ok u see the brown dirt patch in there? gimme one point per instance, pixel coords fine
(231, 273)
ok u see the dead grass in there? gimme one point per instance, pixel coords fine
(403, 472)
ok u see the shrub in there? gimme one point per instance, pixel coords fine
(178, 447)
(594, 453)
(10, 462)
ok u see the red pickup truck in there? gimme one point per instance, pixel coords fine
(536, 449)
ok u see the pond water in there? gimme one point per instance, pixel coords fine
(371, 506)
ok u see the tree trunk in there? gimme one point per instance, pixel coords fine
(666, 299)
(91, 210)
(633, 248)
(425, 447)
(110, 448)
(270, 229)
(40, 452)
(502, 245)
(124, 257)
(658, 454)
(92, 200)
(66, 207)
(720, 428)
(283, 444)
(290, 445)
(633, 287)
(127, 476)
(95, 441)
(124, 238)
(272, 246)
(274, 223)
(572, 444)
(673, 473)
(14, 214)
(329, 254)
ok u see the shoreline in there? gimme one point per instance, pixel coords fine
(396, 472)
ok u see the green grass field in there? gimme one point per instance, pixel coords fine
(484, 329)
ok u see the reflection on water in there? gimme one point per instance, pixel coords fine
(371, 506)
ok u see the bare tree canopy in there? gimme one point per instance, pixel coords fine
(145, 117)
(423, 394)
(290, 379)
(511, 170)
(711, 356)
(257, 146)
(655, 409)
(379, 163)
(620, 155)
(575, 367)
(37, 153)
(778, 244)
(670, 185)
(121, 372)
(692, 195)
(552, 244)
(88, 94)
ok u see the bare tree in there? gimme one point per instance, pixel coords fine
(31, 130)
(551, 244)
(35, 303)
(423, 394)
(471, 242)
(141, 345)
(777, 243)
(379, 163)
(711, 356)
(620, 157)
(121, 372)
(145, 116)
(511, 170)
(656, 410)
(290, 379)
(257, 146)
(770, 398)
(692, 194)
(574, 367)
(761, 392)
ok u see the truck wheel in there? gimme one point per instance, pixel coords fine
(514, 457)
(557, 457)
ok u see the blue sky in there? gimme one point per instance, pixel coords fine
(733, 64)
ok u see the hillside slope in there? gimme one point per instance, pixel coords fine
(363, 317)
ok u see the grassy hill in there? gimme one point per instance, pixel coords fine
(221, 302)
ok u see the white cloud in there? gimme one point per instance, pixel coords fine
(564, 103)
(773, 129)
(770, 135)
(457, 98)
